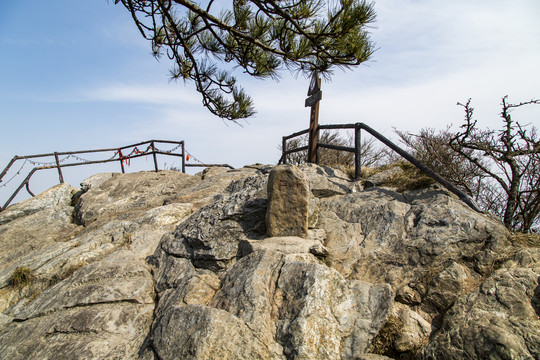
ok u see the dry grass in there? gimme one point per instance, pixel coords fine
(409, 178)
(383, 343)
(21, 277)
(525, 240)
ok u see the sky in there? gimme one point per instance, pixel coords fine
(76, 75)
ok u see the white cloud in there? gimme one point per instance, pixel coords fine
(141, 93)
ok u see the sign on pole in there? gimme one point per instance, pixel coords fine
(315, 96)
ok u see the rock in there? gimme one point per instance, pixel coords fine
(285, 245)
(448, 285)
(202, 332)
(325, 181)
(102, 310)
(31, 234)
(288, 199)
(381, 177)
(57, 197)
(415, 331)
(211, 237)
(198, 289)
(96, 180)
(372, 357)
(379, 235)
(295, 304)
(500, 319)
(216, 286)
(407, 295)
(121, 194)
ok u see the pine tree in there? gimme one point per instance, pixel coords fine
(206, 43)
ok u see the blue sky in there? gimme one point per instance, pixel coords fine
(77, 75)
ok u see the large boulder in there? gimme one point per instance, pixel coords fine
(287, 304)
(100, 311)
(427, 244)
(211, 237)
(288, 201)
(498, 320)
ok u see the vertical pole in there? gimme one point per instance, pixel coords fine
(60, 176)
(315, 95)
(313, 134)
(357, 154)
(155, 156)
(183, 157)
(122, 165)
(283, 149)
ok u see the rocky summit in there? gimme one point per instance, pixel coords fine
(261, 262)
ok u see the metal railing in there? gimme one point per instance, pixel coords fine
(357, 155)
(120, 155)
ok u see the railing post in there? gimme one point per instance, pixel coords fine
(283, 149)
(155, 156)
(122, 164)
(15, 158)
(60, 176)
(183, 157)
(357, 152)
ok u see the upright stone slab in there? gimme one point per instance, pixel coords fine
(288, 197)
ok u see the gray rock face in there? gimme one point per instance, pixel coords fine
(288, 200)
(429, 246)
(211, 237)
(101, 311)
(499, 320)
(167, 265)
(280, 306)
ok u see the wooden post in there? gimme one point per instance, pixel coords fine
(183, 157)
(283, 149)
(315, 96)
(357, 153)
(60, 176)
(155, 156)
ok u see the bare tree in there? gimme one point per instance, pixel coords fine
(433, 149)
(513, 162)
(370, 153)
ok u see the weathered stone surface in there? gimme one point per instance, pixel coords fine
(122, 194)
(415, 331)
(499, 320)
(293, 306)
(108, 331)
(120, 277)
(217, 287)
(448, 285)
(211, 236)
(57, 197)
(283, 244)
(325, 181)
(96, 180)
(36, 223)
(288, 200)
(101, 311)
(202, 332)
(372, 357)
(379, 235)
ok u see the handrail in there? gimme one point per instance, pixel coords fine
(118, 156)
(361, 126)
